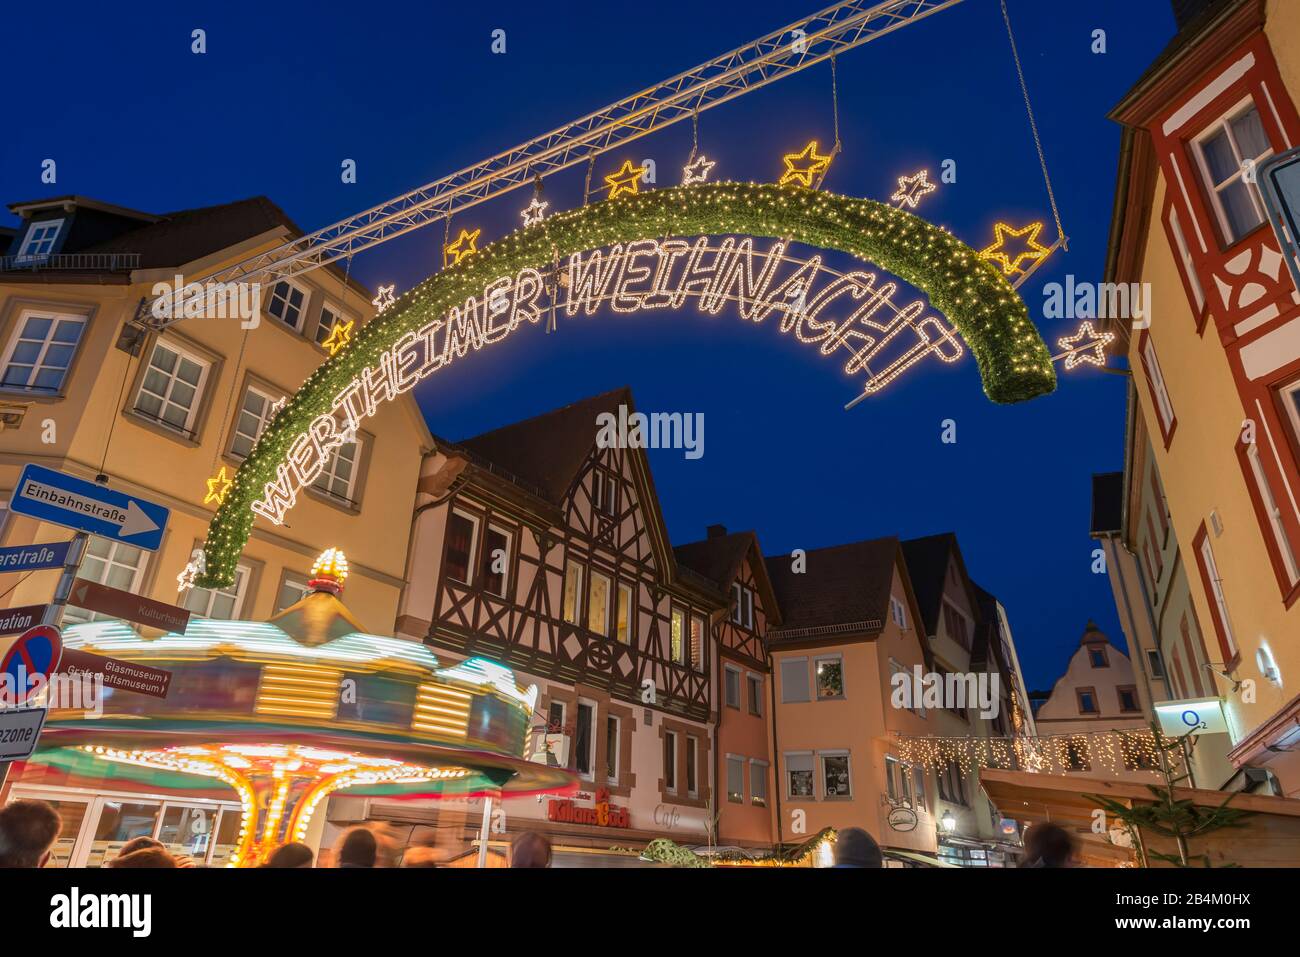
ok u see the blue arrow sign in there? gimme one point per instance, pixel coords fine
(29, 558)
(67, 500)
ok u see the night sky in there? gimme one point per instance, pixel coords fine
(411, 91)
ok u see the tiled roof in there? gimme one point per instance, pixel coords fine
(548, 449)
(841, 585)
(717, 558)
(927, 564)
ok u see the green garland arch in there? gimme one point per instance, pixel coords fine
(1013, 360)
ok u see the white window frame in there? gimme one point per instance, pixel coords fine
(898, 611)
(55, 318)
(1164, 405)
(822, 755)
(1224, 124)
(302, 310)
(242, 573)
(328, 474)
(672, 785)
(298, 583)
(603, 630)
(623, 588)
(692, 765)
(785, 763)
(1217, 596)
(1158, 671)
(740, 762)
(616, 755)
(30, 239)
(679, 655)
(758, 772)
(755, 699)
(572, 563)
(703, 623)
(137, 576)
(590, 774)
(473, 544)
(322, 330)
(729, 671)
(487, 559)
(844, 691)
(1274, 514)
(192, 413)
(263, 420)
(1185, 255)
(806, 686)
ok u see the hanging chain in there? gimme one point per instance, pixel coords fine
(1033, 126)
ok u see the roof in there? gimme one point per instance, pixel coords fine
(842, 585)
(548, 449)
(1107, 503)
(89, 202)
(927, 563)
(719, 558)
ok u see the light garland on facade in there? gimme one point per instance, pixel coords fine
(1114, 752)
(1013, 361)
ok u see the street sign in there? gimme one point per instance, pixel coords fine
(1202, 715)
(116, 673)
(1279, 182)
(30, 558)
(19, 730)
(123, 604)
(36, 652)
(19, 619)
(67, 500)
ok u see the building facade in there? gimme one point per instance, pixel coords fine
(1216, 365)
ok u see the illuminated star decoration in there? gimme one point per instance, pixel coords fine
(697, 171)
(912, 188)
(1010, 262)
(466, 244)
(340, 335)
(534, 212)
(185, 580)
(384, 299)
(626, 180)
(1091, 346)
(803, 168)
(218, 486)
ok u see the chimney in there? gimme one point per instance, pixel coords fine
(717, 531)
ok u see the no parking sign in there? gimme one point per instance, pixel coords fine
(36, 652)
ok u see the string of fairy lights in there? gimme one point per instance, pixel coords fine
(1114, 752)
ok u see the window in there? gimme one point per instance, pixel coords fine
(286, 304)
(1087, 700)
(670, 761)
(1156, 383)
(1097, 656)
(604, 492)
(254, 414)
(731, 682)
(108, 563)
(1076, 756)
(598, 604)
(1185, 257)
(799, 774)
(39, 241)
(624, 626)
(830, 677)
(496, 560)
(950, 784)
(836, 782)
(41, 351)
(461, 530)
(219, 602)
(1274, 514)
(697, 642)
(572, 590)
(735, 779)
(757, 783)
(1223, 151)
(1128, 699)
(898, 611)
(1213, 585)
(1290, 396)
(958, 626)
(692, 770)
(611, 748)
(918, 783)
(677, 637)
(794, 680)
(171, 387)
(1155, 666)
(292, 591)
(742, 605)
(891, 778)
(330, 316)
(555, 718)
(755, 685)
(338, 478)
(582, 739)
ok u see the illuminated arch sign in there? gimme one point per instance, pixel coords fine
(624, 252)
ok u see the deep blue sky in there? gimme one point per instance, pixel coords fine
(411, 92)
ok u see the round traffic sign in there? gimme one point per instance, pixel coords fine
(36, 652)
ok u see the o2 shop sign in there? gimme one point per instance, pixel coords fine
(1198, 715)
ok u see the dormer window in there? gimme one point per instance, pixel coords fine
(40, 238)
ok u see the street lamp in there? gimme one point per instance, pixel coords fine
(947, 822)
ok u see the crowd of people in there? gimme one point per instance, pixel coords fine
(28, 830)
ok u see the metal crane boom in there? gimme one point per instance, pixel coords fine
(795, 47)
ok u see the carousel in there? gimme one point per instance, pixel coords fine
(279, 715)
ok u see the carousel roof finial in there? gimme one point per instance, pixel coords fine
(329, 571)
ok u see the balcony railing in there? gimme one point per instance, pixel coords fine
(86, 262)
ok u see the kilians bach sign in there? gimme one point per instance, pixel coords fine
(852, 313)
